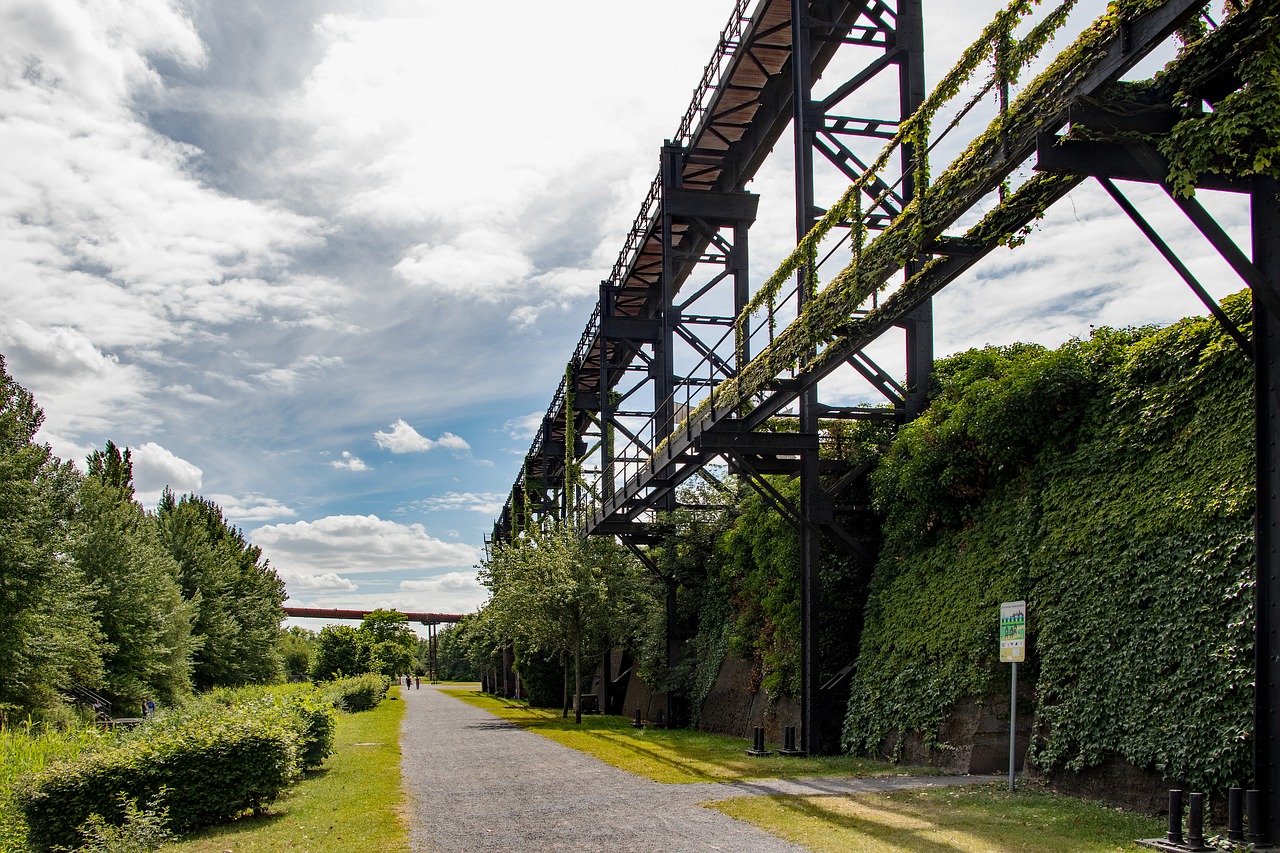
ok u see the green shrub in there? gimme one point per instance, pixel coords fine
(356, 693)
(204, 765)
(302, 706)
(27, 748)
(143, 830)
(542, 679)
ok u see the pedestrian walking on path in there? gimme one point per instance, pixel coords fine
(477, 782)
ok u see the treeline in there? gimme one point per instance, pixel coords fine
(97, 593)
(727, 568)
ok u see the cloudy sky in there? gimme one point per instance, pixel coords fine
(323, 262)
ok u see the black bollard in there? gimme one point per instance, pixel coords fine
(789, 738)
(639, 723)
(1195, 821)
(1174, 835)
(1235, 814)
(1253, 816)
(757, 746)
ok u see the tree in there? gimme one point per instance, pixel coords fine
(137, 601)
(554, 592)
(49, 635)
(337, 653)
(237, 595)
(384, 643)
(387, 642)
(453, 661)
(295, 646)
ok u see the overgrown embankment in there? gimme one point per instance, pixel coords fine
(1110, 484)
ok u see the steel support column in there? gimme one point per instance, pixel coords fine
(918, 325)
(606, 400)
(1266, 337)
(810, 485)
(691, 235)
(905, 48)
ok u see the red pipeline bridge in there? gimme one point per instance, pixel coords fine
(690, 367)
(326, 613)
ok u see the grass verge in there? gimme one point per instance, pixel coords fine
(350, 805)
(671, 755)
(981, 819)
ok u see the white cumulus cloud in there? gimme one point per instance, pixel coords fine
(327, 582)
(155, 467)
(352, 544)
(251, 508)
(402, 438)
(348, 462)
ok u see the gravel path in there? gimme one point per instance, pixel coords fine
(479, 783)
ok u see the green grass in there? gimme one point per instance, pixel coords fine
(353, 804)
(671, 755)
(981, 819)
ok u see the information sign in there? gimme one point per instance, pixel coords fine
(1013, 632)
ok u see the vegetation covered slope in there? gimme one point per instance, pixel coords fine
(1110, 484)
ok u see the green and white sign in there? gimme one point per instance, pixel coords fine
(1013, 632)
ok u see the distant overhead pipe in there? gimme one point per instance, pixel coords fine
(328, 613)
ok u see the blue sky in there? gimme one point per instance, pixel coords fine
(323, 262)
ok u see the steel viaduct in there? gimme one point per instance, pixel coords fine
(684, 369)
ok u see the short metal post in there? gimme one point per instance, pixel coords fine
(1235, 814)
(1254, 833)
(1174, 835)
(1013, 722)
(759, 739)
(639, 723)
(1195, 821)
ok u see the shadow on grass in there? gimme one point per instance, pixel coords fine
(668, 755)
(246, 823)
(912, 839)
(947, 821)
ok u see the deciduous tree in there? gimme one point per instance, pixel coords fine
(137, 601)
(49, 636)
(237, 596)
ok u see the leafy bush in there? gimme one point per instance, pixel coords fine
(26, 749)
(143, 830)
(356, 693)
(302, 706)
(542, 678)
(215, 758)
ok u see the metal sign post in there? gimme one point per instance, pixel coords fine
(1013, 650)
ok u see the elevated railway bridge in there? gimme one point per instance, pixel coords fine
(686, 368)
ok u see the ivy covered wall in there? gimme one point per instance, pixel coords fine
(1110, 484)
